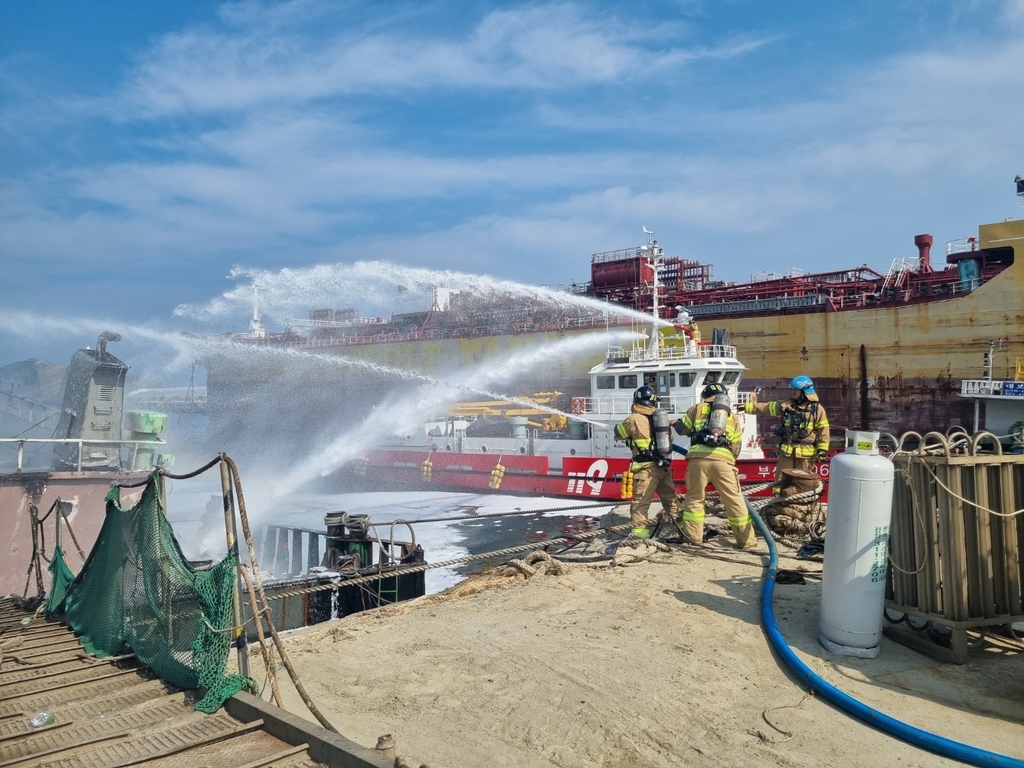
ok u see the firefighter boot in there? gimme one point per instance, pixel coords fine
(744, 535)
(693, 531)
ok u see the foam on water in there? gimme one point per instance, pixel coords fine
(202, 537)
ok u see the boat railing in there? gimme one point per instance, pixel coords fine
(976, 387)
(608, 406)
(622, 406)
(694, 352)
(28, 410)
(961, 245)
(133, 446)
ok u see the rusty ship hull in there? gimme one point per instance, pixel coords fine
(896, 368)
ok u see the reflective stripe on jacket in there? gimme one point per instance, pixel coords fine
(636, 431)
(694, 420)
(805, 439)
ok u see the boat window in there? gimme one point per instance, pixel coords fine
(731, 377)
(665, 380)
(712, 377)
(605, 382)
(628, 381)
(686, 378)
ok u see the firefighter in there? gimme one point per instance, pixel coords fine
(715, 441)
(804, 432)
(651, 468)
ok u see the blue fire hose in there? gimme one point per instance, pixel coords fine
(937, 744)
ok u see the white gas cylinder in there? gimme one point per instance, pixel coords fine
(856, 548)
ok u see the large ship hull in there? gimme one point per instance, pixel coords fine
(889, 369)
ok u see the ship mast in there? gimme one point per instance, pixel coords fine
(654, 347)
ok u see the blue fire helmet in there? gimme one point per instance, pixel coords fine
(804, 384)
(645, 395)
(713, 389)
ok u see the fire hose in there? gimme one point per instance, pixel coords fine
(933, 743)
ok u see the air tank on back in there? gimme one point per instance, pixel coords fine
(718, 419)
(856, 548)
(662, 433)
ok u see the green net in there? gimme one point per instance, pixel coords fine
(137, 593)
(62, 578)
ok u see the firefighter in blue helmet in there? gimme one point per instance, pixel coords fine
(804, 431)
(651, 467)
(715, 441)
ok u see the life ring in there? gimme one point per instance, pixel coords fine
(578, 405)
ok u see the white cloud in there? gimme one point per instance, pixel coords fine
(540, 47)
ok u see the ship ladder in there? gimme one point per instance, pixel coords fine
(388, 556)
(387, 596)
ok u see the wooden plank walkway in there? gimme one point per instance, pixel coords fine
(117, 712)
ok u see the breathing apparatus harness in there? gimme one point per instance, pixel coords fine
(660, 450)
(713, 432)
(794, 426)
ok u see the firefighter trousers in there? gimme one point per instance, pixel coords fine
(647, 481)
(725, 478)
(792, 461)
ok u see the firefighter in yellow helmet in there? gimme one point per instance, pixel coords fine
(651, 468)
(715, 441)
(804, 431)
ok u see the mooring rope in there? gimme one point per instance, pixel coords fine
(516, 511)
(582, 536)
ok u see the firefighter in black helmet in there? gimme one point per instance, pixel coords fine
(715, 442)
(652, 470)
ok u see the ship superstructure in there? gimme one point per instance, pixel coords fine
(529, 446)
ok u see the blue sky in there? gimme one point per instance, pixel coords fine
(148, 149)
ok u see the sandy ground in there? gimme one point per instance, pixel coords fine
(661, 663)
